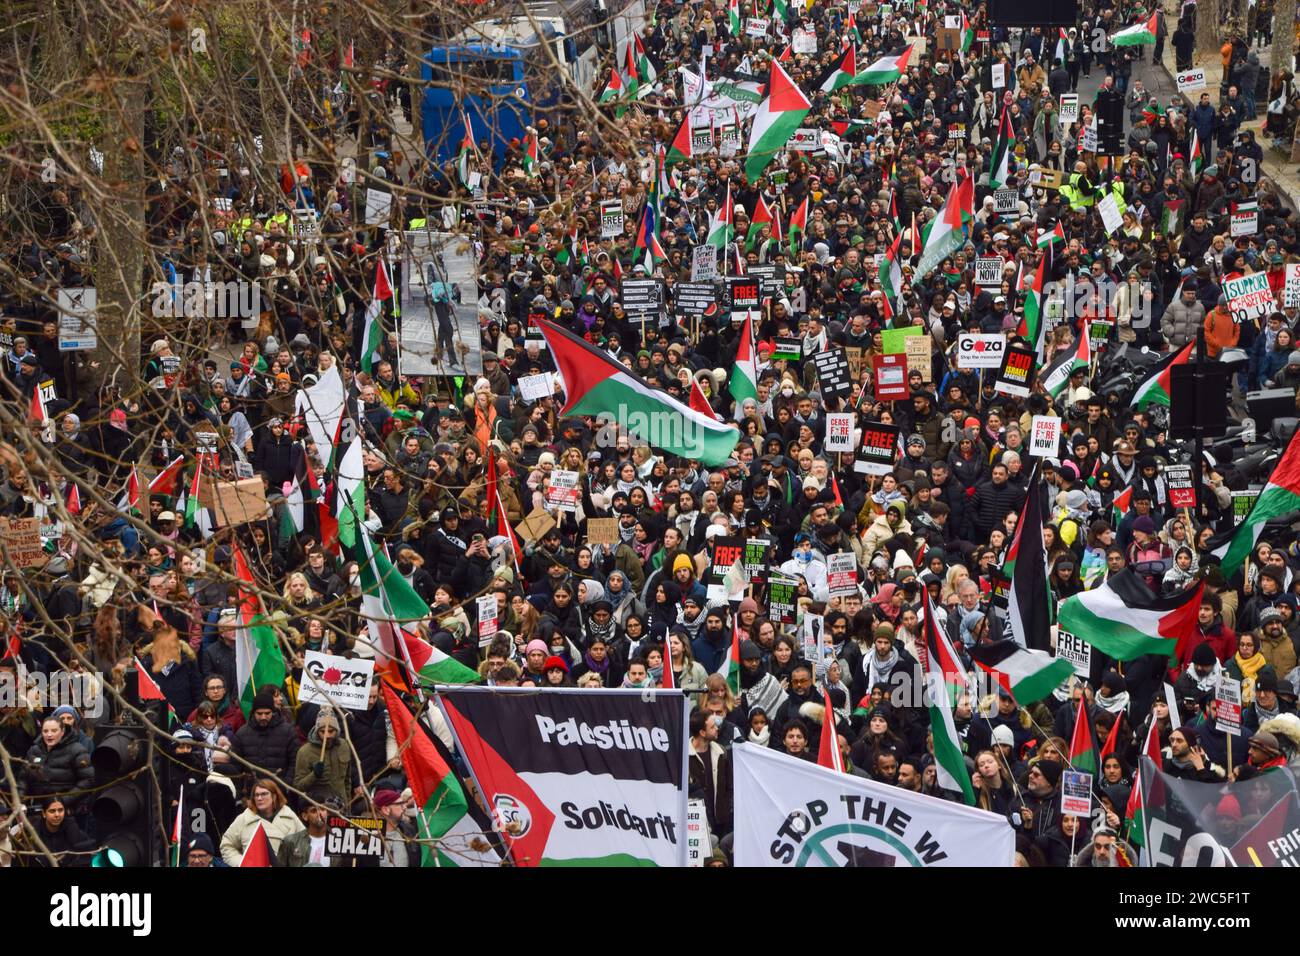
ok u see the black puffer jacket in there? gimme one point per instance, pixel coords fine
(272, 748)
(63, 769)
(275, 458)
(991, 504)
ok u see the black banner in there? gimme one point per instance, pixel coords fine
(694, 298)
(875, 456)
(641, 298)
(833, 373)
(1016, 377)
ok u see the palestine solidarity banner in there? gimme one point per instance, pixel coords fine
(1253, 823)
(578, 777)
(792, 812)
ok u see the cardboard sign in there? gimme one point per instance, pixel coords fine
(563, 492)
(1249, 297)
(782, 599)
(1044, 436)
(233, 502)
(486, 606)
(1075, 650)
(842, 573)
(1006, 201)
(1228, 695)
(1016, 376)
(1182, 492)
(534, 388)
(704, 263)
(611, 218)
(1076, 793)
(833, 373)
(535, 527)
(919, 358)
(981, 349)
(1291, 290)
(336, 681)
(839, 432)
(1067, 110)
(360, 837)
(876, 452)
(854, 357)
(889, 372)
(1190, 80)
(988, 272)
(20, 543)
(602, 531)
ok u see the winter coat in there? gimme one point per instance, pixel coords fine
(991, 504)
(182, 684)
(320, 765)
(64, 769)
(272, 748)
(1180, 322)
(235, 840)
(295, 851)
(715, 789)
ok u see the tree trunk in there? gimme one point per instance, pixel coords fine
(1207, 28)
(120, 257)
(1283, 36)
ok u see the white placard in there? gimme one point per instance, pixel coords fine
(338, 681)
(839, 432)
(1245, 223)
(1249, 297)
(534, 388)
(1088, 141)
(1291, 291)
(704, 263)
(804, 41)
(1228, 695)
(486, 605)
(379, 207)
(756, 27)
(563, 491)
(1075, 650)
(988, 272)
(1044, 436)
(699, 846)
(842, 573)
(1068, 109)
(1111, 217)
(998, 73)
(78, 319)
(611, 218)
(981, 349)
(1190, 80)
(1006, 201)
(805, 140)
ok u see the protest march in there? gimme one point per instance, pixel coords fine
(744, 433)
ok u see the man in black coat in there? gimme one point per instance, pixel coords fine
(274, 455)
(993, 500)
(267, 741)
(446, 547)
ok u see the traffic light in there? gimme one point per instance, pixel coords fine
(124, 809)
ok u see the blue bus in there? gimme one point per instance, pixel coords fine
(484, 83)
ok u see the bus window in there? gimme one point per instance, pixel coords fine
(493, 71)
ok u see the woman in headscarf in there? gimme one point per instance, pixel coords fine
(564, 613)
(666, 602)
(622, 597)
(888, 603)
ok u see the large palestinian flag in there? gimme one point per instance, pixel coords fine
(942, 669)
(258, 660)
(729, 669)
(1000, 158)
(1139, 34)
(843, 73)
(595, 384)
(1029, 601)
(743, 382)
(885, 70)
(1031, 323)
(1156, 388)
(946, 233)
(1280, 495)
(1124, 620)
(777, 118)
(1084, 755)
(1134, 817)
(1026, 675)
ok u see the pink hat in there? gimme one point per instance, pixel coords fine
(536, 645)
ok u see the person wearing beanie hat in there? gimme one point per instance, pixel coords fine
(1041, 798)
(324, 763)
(535, 654)
(1264, 751)
(268, 741)
(1185, 759)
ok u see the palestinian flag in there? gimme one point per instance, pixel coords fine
(828, 752)
(1280, 495)
(1140, 34)
(1025, 675)
(946, 232)
(258, 852)
(1196, 158)
(762, 217)
(967, 33)
(885, 70)
(387, 603)
(1171, 216)
(447, 818)
(679, 150)
(507, 532)
(743, 382)
(73, 500)
(1083, 742)
(729, 669)
(431, 666)
(192, 495)
(646, 73)
(1000, 159)
(258, 660)
(594, 383)
(890, 272)
(942, 665)
(1152, 113)
(843, 73)
(733, 17)
(614, 88)
(781, 10)
(851, 30)
(1056, 376)
(164, 483)
(146, 687)
(1124, 620)
(373, 335)
(1029, 600)
(38, 411)
(1121, 504)
(1050, 237)
(178, 827)
(699, 402)
(130, 499)
(1158, 386)
(721, 227)
(798, 223)
(1112, 739)
(778, 116)
(530, 153)
(1031, 321)
(1134, 816)
(350, 494)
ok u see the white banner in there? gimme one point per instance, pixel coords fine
(981, 349)
(1190, 80)
(791, 812)
(340, 681)
(839, 432)
(1044, 436)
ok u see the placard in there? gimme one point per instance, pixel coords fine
(1006, 201)
(805, 140)
(336, 681)
(563, 491)
(1190, 81)
(641, 298)
(78, 319)
(788, 349)
(1075, 650)
(839, 432)
(988, 272)
(745, 297)
(1088, 141)
(20, 543)
(757, 556)
(694, 298)
(1242, 502)
(833, 373)
(1228, 695)
(981, 349)
(234, 502)
(701, 140)
(804, 41)
(1044, 436)
(842, 573)
(1182, 492)
(769, 284)
(1016, 376)
(698, 844)
(359, 837)
(379, 207)
(1245, 223)
(1067, 111)
(611, 218)
(891, 340)
(998, 76)
(782, 599)
(854, 357)
(535, 526)
(1111, 218)
(724, 552)
(486, 606)
(1076, 793)
(603, 531)
(1249, 297)
(810, 636)
(534, 388)
(889, 372)
(704, 263)
(1291, 289)
(919, 357)
(879, 444)
(756, 27)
